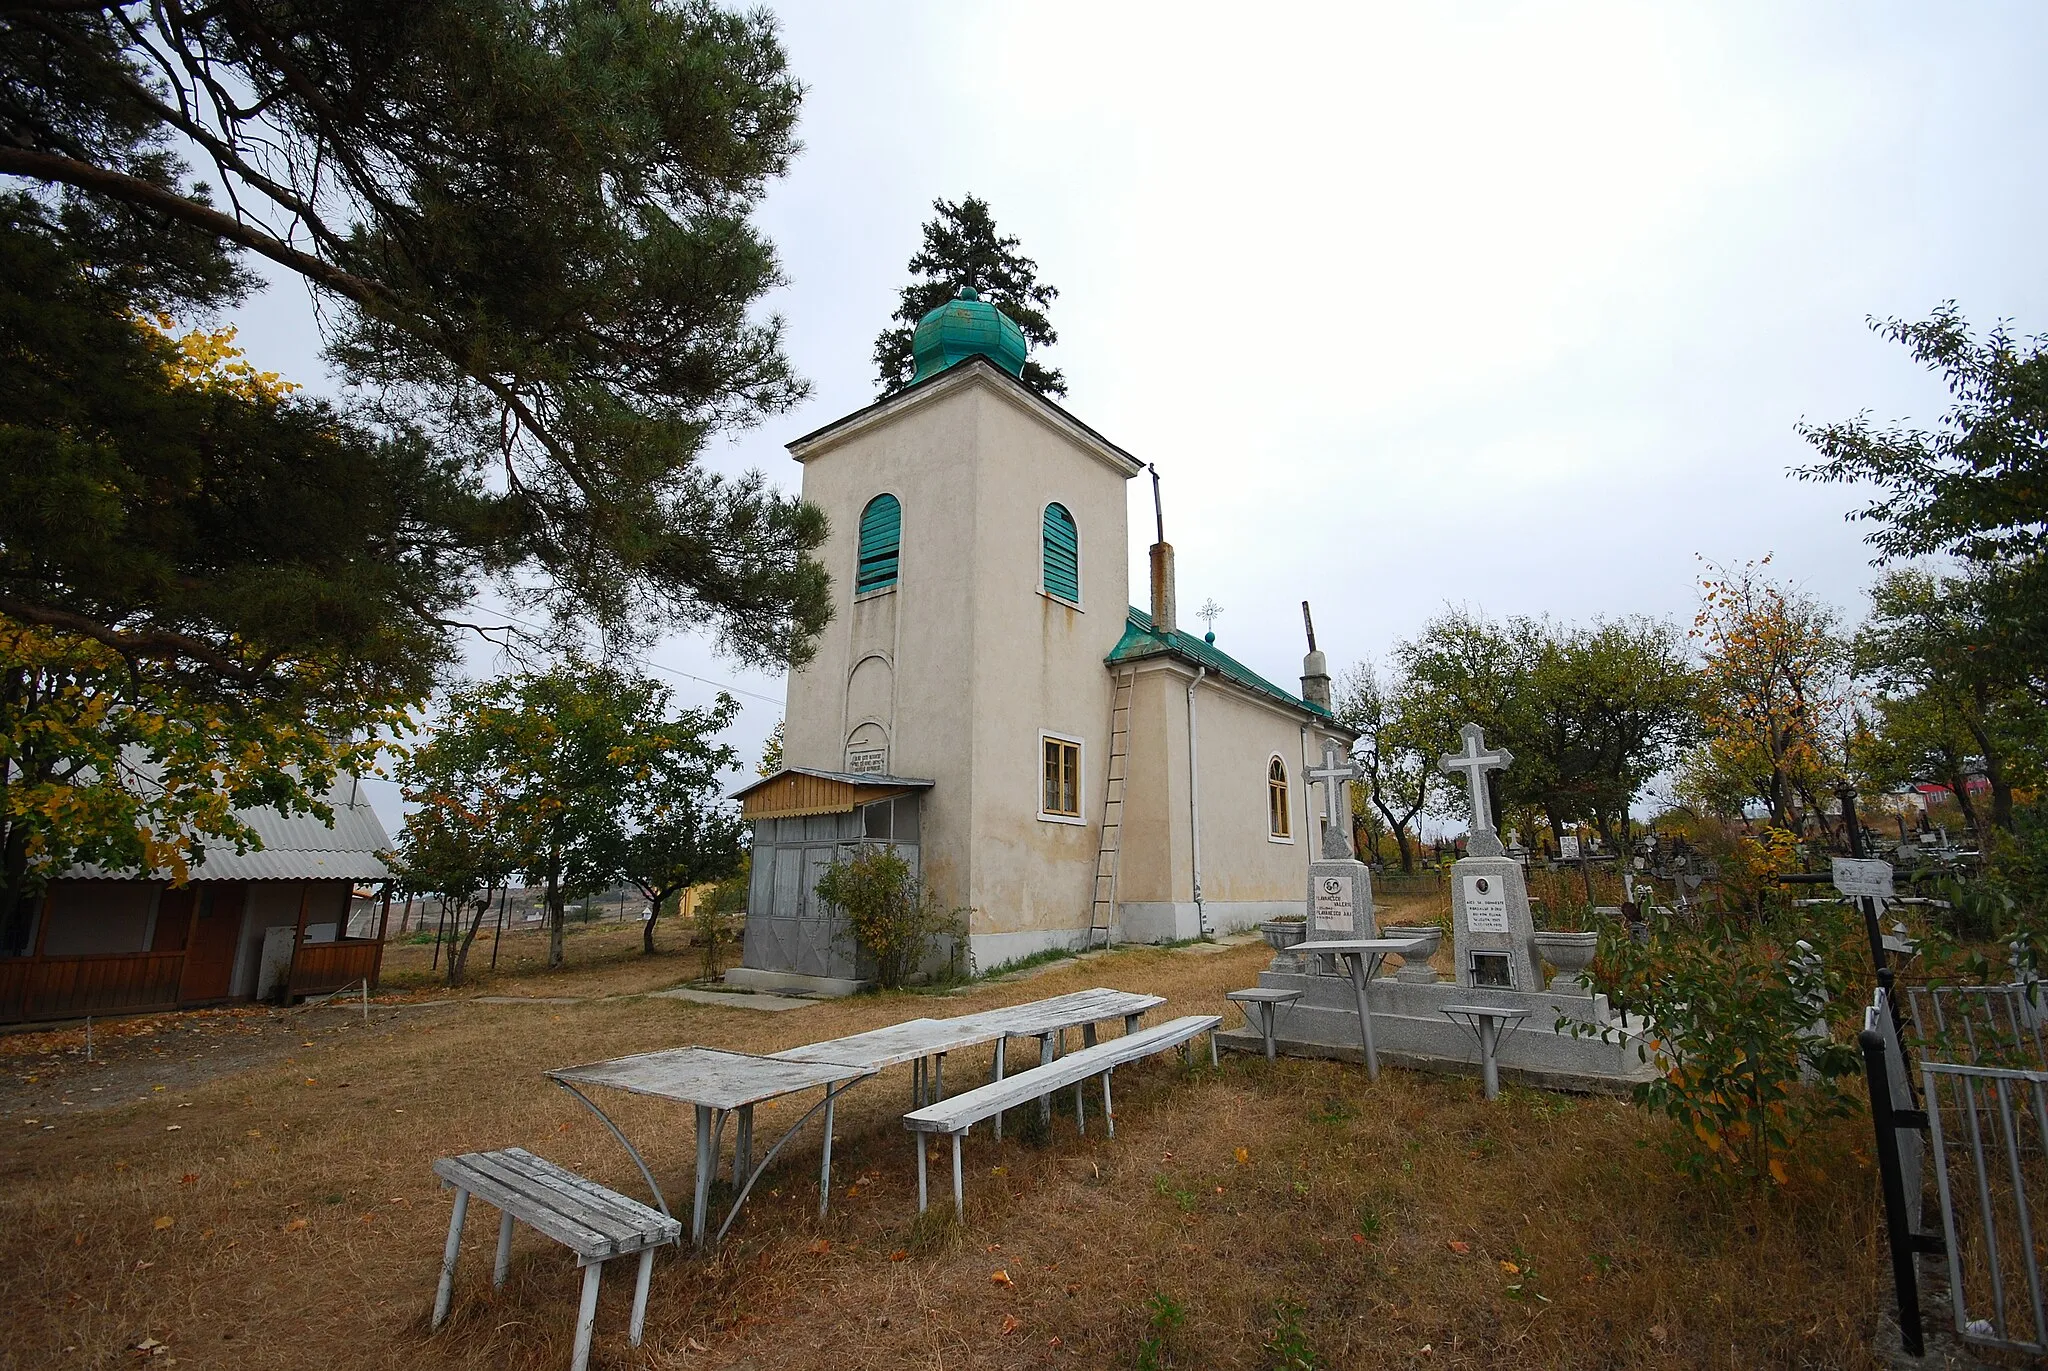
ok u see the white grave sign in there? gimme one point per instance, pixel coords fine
(1860, 877)
(1568, 848)
(1332, 906)
(1486, 904)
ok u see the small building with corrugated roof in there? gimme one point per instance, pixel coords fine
(300, 913)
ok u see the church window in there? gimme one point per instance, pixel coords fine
(1062, 555)
(1279, 823)
(881, 535)
(1061, 791)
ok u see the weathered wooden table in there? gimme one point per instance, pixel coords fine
(718, 1083)
(922, 1042)
(1487, 1022)
(1362, 957)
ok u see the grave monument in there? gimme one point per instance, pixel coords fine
(1339, 885)
(1495, 944)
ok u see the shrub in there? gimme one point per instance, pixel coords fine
(1737, 1028)
(894, 918)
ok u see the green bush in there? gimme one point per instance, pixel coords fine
(1738, 1030)
(894, 918)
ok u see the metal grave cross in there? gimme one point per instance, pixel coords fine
(1338, 767)
(1475, 761)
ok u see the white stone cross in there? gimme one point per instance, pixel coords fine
(1475, 761)
(1338, 767)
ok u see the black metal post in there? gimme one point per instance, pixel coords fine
(1900, 1237)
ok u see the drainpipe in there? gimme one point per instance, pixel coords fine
(1195, 805)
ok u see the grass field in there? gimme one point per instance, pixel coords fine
(272, 1205)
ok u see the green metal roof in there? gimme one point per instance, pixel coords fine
(966, 326)
(1140, 641)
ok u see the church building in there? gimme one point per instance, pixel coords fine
(1063, 766)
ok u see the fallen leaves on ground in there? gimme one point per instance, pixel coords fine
(1000, 1278)
(1461, 1248)
(1011, 1323)
(899, 1255)
(298, 1225)
(163, 1221)
(820, 1246)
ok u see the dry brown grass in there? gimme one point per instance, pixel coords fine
(305, 1225)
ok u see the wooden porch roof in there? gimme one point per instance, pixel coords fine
(796, 791)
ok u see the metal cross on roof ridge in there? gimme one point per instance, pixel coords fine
(1475, 761)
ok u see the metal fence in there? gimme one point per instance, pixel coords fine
(1980, 1124)
(1989, 1144)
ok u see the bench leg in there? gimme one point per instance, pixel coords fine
(1108, 1113)
(446, 1292)
(743, 1147)
(586, 1316)
(1045, 1055)
(939, 1089)
(917, 1084)
(1087, 1035)
(1080, 1109)
(1001, 1043)
(1212, 1048)
(504, 1262)
(959, 1200)
(1131, 1023)
(919, 1139)
(646, 1273)
(707, 1159)
(825, 1166)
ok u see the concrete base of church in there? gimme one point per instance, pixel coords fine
(1409, 1029)
(1174, 921)
(790, 983)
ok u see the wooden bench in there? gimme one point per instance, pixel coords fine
(957, 1115)
(595, 1223)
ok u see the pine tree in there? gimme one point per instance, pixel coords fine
(963, 248)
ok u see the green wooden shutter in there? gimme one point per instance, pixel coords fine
(881, 534)
(1062, 554)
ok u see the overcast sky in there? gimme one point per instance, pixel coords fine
(1506, 306)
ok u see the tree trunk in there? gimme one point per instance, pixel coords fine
(1959, 787)
(558, 916)
(654, 902)
(458, 949)
(1407, 852)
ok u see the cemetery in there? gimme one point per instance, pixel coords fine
(608, 814)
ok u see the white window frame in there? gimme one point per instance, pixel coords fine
(1287, 789)
(1080, 559)
(1080, 746)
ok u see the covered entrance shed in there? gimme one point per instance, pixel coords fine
(803, 821)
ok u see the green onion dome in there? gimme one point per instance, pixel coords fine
(966, 326)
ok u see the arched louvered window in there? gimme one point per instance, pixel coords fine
(1062, 554)
(881, 535)
(1278, 821)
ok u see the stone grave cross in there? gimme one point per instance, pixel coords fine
(1475, 761)
(1338, 769)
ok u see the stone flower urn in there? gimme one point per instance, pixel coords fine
(1571, 954)
(1416, 970)
(1281, 935)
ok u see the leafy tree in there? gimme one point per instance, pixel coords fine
(457, 840)
(1591, 713)
(1401, 773)
(575, 752)
(162, 497)
(681, 833)
(1976, 487)
(1774, 696)
(894, 918)
(1947, 706)
(528, 223)
(963, 248)
(771, 753)
(122, 767)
